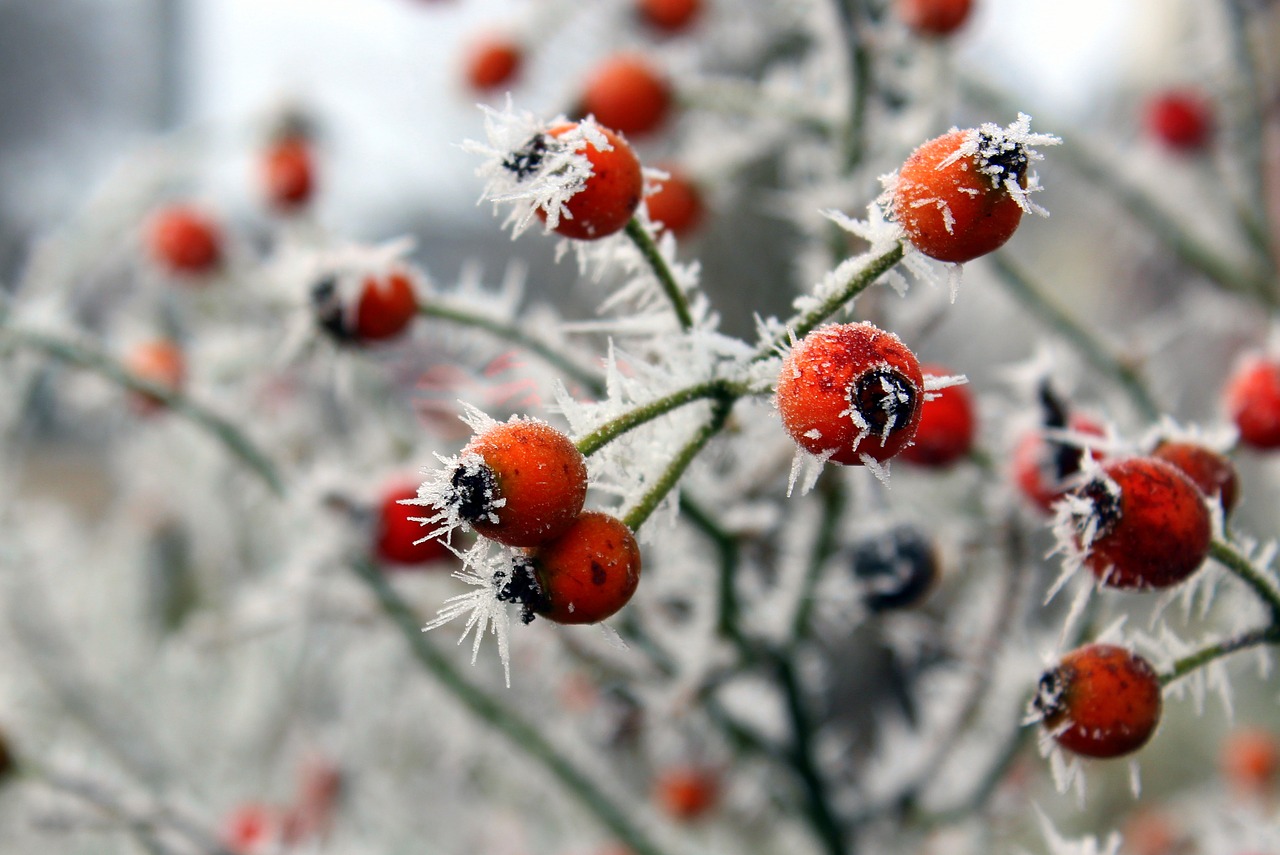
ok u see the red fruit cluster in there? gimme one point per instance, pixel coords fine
(849, 391)
(1252, 400)
(1100, 701)
(947, 425)
(1181, 119)
(628, 94)
(184, 241)
(609, 197)
(934, 17)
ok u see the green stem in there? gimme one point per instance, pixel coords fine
(821, 813)
(632, 419)
(1034, 300)
(1252, 212)
(523, 735)
(516, 335)
(1228, 556)
(666, 482)
(833, 504)
(83, 356)
(649, 249)
(727, 546)
(1197, 660)
(854, 140)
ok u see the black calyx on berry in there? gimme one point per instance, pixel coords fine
(896, 568)
(474, 492)
(330, 313)
(1103, 496)
(526, 160)
(1002, 158)
(1065, 458)
(885, 399)
(1048, 703)
(520, 587)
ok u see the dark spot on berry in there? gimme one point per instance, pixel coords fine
(884, 398)
(598, 574)
(1050, 698)
(326, 305)
(522, 589)
(526, 160)
(1010, 156)
(1106, 506)
(1064, 458)
(474, 490)
(896, 568)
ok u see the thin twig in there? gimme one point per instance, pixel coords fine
(1231, 558)
(632, 419)
(644, 242)
(666, 482)
(1207, 654)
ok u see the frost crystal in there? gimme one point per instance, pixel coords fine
(486, 569)
(1004, 154)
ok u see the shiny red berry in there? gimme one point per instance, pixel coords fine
(687, 793)
(1045, 467)
(669, 16)
(934, 17)
(847, 391)
(947, 425)
(1141, 524)
(395, 534)
(1100, 701)
(628, 94)
(1181, 119)
(184, 241)
(386, 307)
(1252, 400)
(288, 173)
(610, 196)
(160, 362)
(1212, 472)
(493, 62)
(675, 202)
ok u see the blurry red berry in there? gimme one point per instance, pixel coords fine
(395, 533)
(159, 362)
(1252, 401)
(386, 307)
(934, 17)
(1044, 468)
(849, 390)
(669, 16)
(687, 792)
(1213, 473)
(1250, 760)
(184, 241)
(493, 62)
(1150, 832)
(628, 94)
(1100, 701)
(288, 177)
(676, 202)
(947, 425)
(611, 195)
(1142, 524)
(252, 829)
(1181, 119)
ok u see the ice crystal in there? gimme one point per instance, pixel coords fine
(1088, 845)
(1004, 155)
(486, 568)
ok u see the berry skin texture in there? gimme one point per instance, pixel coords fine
(1181, 120)
(395, 533)
(687, 793)
(934, 17)
(1213, 473)
(896, 568)
(587, 573)
(626, 93)
(160, 362)
(522, 483)
(949, 209)
(1252, 401)
(493, 62)
(849, 390)
(184, 241)
(669, 16)
(676, 203)
(1100, 701)
(1152, 524)
(288, 174)
(385, 309)
(947, 425)
(1250, 760)
(611, 195)
(1043, 468)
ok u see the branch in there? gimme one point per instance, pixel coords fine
(644, 242)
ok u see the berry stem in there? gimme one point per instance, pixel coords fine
(648, 503)
(1034, 299)
(727, 546)
(1202, 657)
(516, 335)
(497, 715)
(833, 504)
(852, 14)
(722, 390)
(1231, 558)
(649, 249)
(83, 355)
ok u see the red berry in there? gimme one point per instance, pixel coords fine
(1213, 473)
(669, 16)
(934, 17)
(184, 241)
(1150, 832)
(493, 62)
(395, 534)
(947, 425)
(1181, 119)
(1100, 701)
(627, 94)
(386, 307)
(610, 196)
(1141, 524)
(1044, 468)
(585, 575)
(849, 391)
(1252, 400)
(288, 173)
(954, 206)
(687, 792)
(521, 483)
(160, 362)
(252, 829)
(1250, 760)
(675, 202)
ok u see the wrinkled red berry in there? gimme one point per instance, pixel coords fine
(1100, 701)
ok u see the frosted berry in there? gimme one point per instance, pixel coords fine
(584, 575)
(1250, 760)
(1100, 701)
(947, 425)
(934, 17)
(1045, 467)
(1141, 523)
(628, 94)
(1252, 400)
(386, 307)
(1180, 119)
(955, 206)
(161, 363)
(1212, 472)
(895, 568)
(850, 391)
(610, 196)
(675, 202)
(184, 241)
(395, 534)
(288, 173)
(521, 483)
(669, 16)
(493, 62)
(687, 792)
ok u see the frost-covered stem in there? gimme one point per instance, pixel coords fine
(83, 356)
(821, 813)
(802, 325)
(1228, 556)
(1032, 297)
(727, 546)
(632, 419)
(516, 335)
(833, 503)
(1253, 212)
(523, 735)
(667, 481)
(1197, 660)
(644, 242)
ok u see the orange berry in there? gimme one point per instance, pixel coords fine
(386, 307)
(184, 241)
(1250, 760)
(669, 16)
(1252, 400)
(1100, 701)
(493, 62)
(396, 535)
(676, 203)
(935, 17)
(1213, 473)
(288, 173)
(160, 362)
(947, 425)
(627, 94)
(687, 792)
(610, 196)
